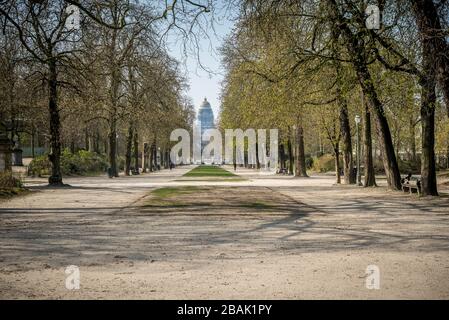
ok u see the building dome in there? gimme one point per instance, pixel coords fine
(205, 122)
(205, 105)
(206, 116)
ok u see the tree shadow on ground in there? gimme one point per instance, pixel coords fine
(227, 219)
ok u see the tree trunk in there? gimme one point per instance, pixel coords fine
(136, 153)
(428, 169)
(412, 139)
(150, 162)
(113, 148)
(114, 100)
(428, 24)
(129, 141)
(300, 170)
(145, 157)
(337, 162)
(359, 62)
(257, 157)
(370, 178)
(167, 159)
(97, 141)
(428, 100)
(155, 157)
(55, 127)
(397, 134)
(290, 156)
(432, 32)
(33, 135)
(282, 156)
(87, 145)
(384, 139)
(345, 130)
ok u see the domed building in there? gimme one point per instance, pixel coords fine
(205, 116)
(205, 121)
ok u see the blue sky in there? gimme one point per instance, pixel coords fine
(204, 84)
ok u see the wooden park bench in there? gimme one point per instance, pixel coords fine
(409, 184)
(283, 171)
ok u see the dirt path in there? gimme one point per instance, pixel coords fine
(263, 237)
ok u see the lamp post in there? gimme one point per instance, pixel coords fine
(357, 123)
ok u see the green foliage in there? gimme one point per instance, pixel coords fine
(309, 162)
(409, 166)
(405, 166)
(39, 166)
(80, 163)
(121, 161)
(325, 163)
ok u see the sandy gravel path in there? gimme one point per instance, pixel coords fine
(265, 237)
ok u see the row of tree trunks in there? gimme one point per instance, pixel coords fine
(345, 128)
(132, 152)
(153, 165)
(149, 155)
(383, 131)
(358, 57)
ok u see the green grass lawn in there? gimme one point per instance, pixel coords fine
(209, 171)
(166, 192)
(175, 198)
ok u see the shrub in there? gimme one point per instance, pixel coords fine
(408, 166)
(405, 166)
(8, 181)
(121, 161)
(80, 163)
(324, 163)
(39, 166)
(309, 163)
